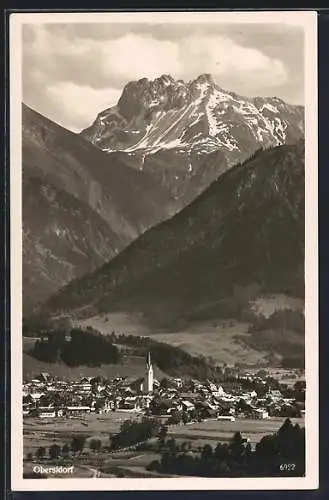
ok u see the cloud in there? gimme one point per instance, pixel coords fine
(75, 71)
(226, 60)
(80, 104)
(133, 56)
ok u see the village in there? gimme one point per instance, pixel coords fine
(248, 396)
(121, 426)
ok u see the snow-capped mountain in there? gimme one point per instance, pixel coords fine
(169, 128)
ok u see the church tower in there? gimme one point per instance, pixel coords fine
(148, 385)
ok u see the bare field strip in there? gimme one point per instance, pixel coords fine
(218, 430)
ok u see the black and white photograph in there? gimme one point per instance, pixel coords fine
(164, 250)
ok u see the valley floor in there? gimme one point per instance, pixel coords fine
(224, 340)
(129, 463)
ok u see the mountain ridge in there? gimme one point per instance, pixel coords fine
(170, 128)
(165, 93)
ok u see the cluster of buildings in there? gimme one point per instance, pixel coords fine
(46, 397)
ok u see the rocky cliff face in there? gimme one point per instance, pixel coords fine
(174, 130)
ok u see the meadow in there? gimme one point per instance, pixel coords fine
(44, 432)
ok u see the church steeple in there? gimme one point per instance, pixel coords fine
(148, 360)
(148, 384)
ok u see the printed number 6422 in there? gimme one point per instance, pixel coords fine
(287, 467)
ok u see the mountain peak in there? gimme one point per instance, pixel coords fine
(205, 78)
(188, 120)
(166, 79)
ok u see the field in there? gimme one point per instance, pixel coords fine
(44, 432)
(224, 340)
(130, 463)
(212, 431)
(216, 339)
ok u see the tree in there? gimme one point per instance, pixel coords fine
(171, 443)
(299, 390)
(100, 404)
(300, 385)
(193, 414)
(66, 451)
(63, 324)
(41, 452)
(54, 451)
(286, 429)
(95, 444)
(185, 418)
(165, 383)
(133, 432)
(184, 446)
(288, 440)
(154, 466)
(238, 458)
(248, 450)
(237, 446)
(207, 453)
(78, 443)
(174, 418)
(221, 452)
(45, 350)
(163, 432)
(159, 406)
(166, 460)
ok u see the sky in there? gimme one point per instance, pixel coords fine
(71, 72)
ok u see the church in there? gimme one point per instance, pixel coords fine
(149, 377)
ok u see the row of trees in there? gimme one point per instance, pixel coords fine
(286, 319)
(293, 361)
(82, 347)
(279, 454)
(133, 432)
(76, 346)
(75, 448)
(274, 333)
(170, 359)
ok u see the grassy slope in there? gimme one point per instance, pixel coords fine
(226, 341)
